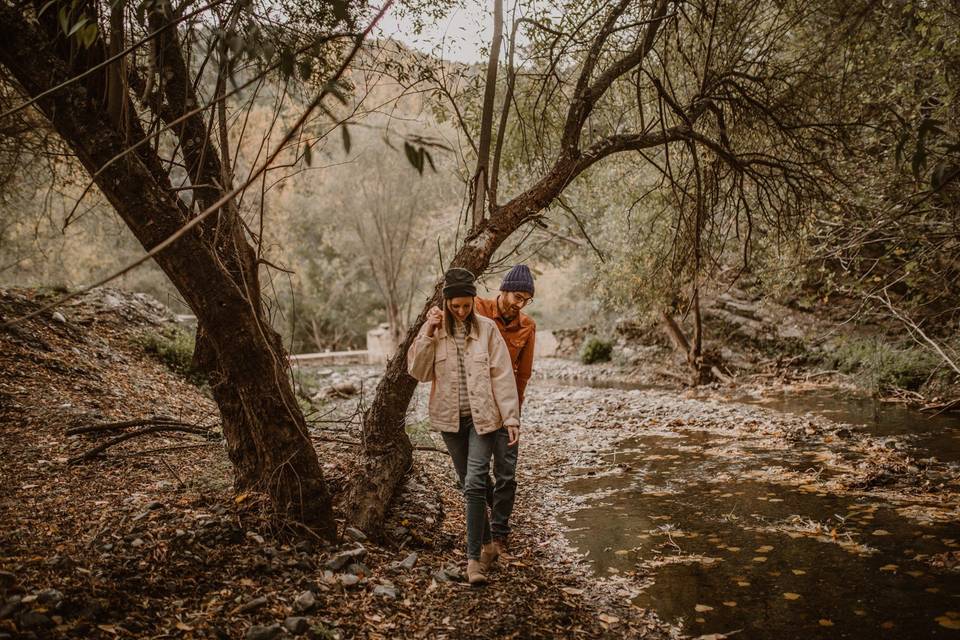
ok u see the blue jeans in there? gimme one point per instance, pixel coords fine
(471, 453)
(502, 489)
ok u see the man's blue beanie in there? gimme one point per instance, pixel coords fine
(518, 279)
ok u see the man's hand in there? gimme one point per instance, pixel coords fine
(434, 320)
(513, 436)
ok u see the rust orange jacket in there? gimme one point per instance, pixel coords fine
(520, 335)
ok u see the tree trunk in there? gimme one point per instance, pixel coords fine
(212, 266)
(700, 371)
(388, 452)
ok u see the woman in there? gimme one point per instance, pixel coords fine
(473, 396)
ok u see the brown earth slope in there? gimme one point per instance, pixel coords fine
(148, 540)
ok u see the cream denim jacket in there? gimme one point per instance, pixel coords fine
(490, 383)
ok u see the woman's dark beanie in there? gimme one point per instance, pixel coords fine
(459, 282)
(518, 279)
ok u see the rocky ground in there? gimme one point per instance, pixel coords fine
(148, 539)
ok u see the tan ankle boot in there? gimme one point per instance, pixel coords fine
(488, 555)
(475, 573)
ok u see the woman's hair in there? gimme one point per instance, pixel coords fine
(450, 322)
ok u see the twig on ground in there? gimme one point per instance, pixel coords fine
(136, 422)
(133, 434)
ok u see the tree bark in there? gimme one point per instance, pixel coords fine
(212, 266)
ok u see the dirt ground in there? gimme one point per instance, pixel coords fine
(148, 540)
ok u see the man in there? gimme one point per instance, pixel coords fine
(519, 332)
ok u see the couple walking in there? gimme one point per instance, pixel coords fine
(478, 355)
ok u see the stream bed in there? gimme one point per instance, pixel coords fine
(758, 531)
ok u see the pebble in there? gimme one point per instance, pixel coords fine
(409, 562)
(349, 580)
(50, 598)
(250, 605)
(304, 602)
(342, 559)
(34, 620)
(385, 591)
(355, 534)
(262, 632)
(58, 317)
(296, 625)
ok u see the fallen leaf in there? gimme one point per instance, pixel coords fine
(730, 603)
(702, 608)
(881, 532)
(888, 567)
(572, 591)
(760, 559)
(608, 618)
(824, 622)
(791, 596)
(764, 549)
(947, 622)
(798, 572)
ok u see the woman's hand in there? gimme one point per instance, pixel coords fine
(513, 436)
(434, 320)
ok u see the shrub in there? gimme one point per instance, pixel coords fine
(174, 347)
(882, 365)
(596, 350)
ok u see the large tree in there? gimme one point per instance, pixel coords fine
(122, 86)
(671, 82)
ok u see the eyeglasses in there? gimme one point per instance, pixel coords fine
(523, 302)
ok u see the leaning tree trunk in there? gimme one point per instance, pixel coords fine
(703, 368)
(387, 449)
(212, 266)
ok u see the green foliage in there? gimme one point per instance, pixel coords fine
(174, 347)
(881, 365)
(596, 350)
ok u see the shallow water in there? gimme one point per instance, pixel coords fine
(721, 554)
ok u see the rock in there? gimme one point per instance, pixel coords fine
(262, 632)
(305, 546)
(153, 506)
(385, 591)
(250, 605)
(346, 388)
(453, 572)
(34, 620)
(305, 602)
(256, 537)
(409, 562)
(358, 569)
(441, 576)
(50, 598)
(349, 580)
(296, 625)
(11, 605)
(57, 316)
(355, 534)
(342, 559)
(137, 542)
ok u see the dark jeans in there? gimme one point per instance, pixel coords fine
(471, 453)
(502, 489)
